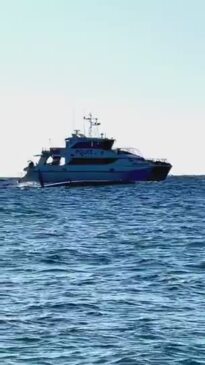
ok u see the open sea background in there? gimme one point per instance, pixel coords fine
(103, 275)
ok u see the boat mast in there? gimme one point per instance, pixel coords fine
(93, 122)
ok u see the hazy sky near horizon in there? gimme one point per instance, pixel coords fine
(136, 64)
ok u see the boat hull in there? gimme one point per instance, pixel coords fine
(59, 176)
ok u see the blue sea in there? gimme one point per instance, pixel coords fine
(103, 275)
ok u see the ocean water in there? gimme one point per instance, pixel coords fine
(103, 275)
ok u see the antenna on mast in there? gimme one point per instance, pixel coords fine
(93, 123)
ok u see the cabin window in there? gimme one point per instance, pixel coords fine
(62, 161)
(49, 160)
(91, 161)
(105, 144)
(53, 160)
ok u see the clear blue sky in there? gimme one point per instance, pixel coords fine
(137, 64)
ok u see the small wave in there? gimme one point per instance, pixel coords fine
(28, 184)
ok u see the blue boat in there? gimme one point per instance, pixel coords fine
(87, 159)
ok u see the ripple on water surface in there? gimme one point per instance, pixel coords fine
(106, 275)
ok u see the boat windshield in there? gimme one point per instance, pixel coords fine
(131, 150)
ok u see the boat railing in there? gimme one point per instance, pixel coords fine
(157, 160)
